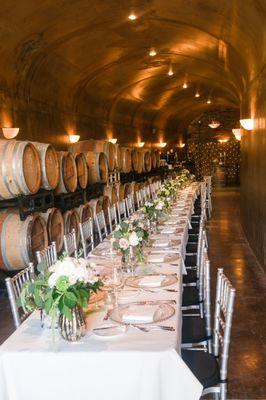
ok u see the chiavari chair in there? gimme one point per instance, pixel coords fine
(86, 236)
(112, 216)
(121, 210)
(47, 256)
(129, 206)
(101, 225)
(70, 244)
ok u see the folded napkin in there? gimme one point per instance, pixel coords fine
(161, 243)
(165, 250)
(168, 230)
(137, 315)
(156, 258)
(152, 280)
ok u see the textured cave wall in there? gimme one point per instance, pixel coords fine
(253, 169)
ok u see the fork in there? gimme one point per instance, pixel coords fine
(159, 290)
(154, 328)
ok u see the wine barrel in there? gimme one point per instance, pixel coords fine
(19, 240)
(157, 157)
(49, 165)
(82, 170)
(120, 190)
(127, 189)
(55, 226)
(68, 180)
(146, 160)
(20, 169)
(153, 158)
(97, 146)
(136, 158)
(111, 192)
(84, 212)
(71, 221)
(126, 159)
(118, 157)
(105, 205)
(95, 205)
(98, 169)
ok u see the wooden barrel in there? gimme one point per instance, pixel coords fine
(126, 159)
(20, 169)
(111, 192)
(71, 221)
(84, 212)
(68, 180)
(157, 158)
(136, 158)
(146, 160)
(82, 170)
(97, 146)
(19, 240)
(95, 205)
(49, 165)
(120, 190)
(127, 189)
(105, 205)
(98, 169)
(118, 157)
(153, 158)
(55, 226)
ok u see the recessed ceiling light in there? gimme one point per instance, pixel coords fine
(132, 17)
(113, 140)
(184, 85)
(209, 101)
(197, 94)
(74, 138)
(152, 52)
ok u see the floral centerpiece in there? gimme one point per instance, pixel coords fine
(61, 292)
(129, 237)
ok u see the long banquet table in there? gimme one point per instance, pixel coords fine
(134, 366)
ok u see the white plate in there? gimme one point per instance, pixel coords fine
(109, 332)
(135, 281)
(126, 295)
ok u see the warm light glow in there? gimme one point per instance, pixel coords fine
(181, 145)
(237, 133)
(152, 52)
(214, 124)
(113, 140)
(10, 133)
(162, 144)
(209, 101)
(141, 144)
(74, 138)
(223, 140)
(247, 124)
(170, 71)
(197, 94)
(132, 16)
(184, 85)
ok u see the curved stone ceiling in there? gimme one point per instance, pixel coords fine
(85, 58)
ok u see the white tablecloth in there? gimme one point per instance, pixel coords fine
(134, 366)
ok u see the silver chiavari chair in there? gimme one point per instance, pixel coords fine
(129, 206)
(208, 182)
(112, 216)
(138, 199)
(121, 210)
(14, 287)
(47, 256)
(212, 369)
(101, 225)
(86, 236)
(70, 244)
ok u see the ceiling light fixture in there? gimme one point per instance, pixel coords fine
(181, 145)
(170, 71)
(197, 94)
(141, 144)
(152, 52)
(214, 124)
(209, 101)
(132, 16)
(185, 85)
(74, 138)
(223, 140)
(247, 124)
(237, 134)
(10, 133)
(162, 144)
(114, 140)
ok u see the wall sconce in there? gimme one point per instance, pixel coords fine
(162, 144)
(114, 140)
(10, 133)
(223, 140)
(181, 145)
(152, 52)
(214, 124)
(74, 138)
(247, 124)
(237, 133)
(141, 144)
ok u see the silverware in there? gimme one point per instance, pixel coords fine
(159, 290)
(105, 327)
(153, 328)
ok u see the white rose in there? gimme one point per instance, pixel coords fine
(133, 239)
(123, 244)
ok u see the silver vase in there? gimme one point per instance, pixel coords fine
(72, 330)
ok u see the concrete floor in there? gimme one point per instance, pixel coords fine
(228, 248)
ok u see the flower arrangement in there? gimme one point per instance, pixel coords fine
(130, 234)
(57, 290)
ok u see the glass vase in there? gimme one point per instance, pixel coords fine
(72, 330)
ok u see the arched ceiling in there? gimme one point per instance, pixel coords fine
(87, 58)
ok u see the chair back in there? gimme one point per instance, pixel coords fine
(70, 244)
(101, 225)
(138, 199)
(86, 235)
(129, 206)
(112, 213)
(207, 293)
(121, 210)
(14, 287)
(48, 256)
(224, 305)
